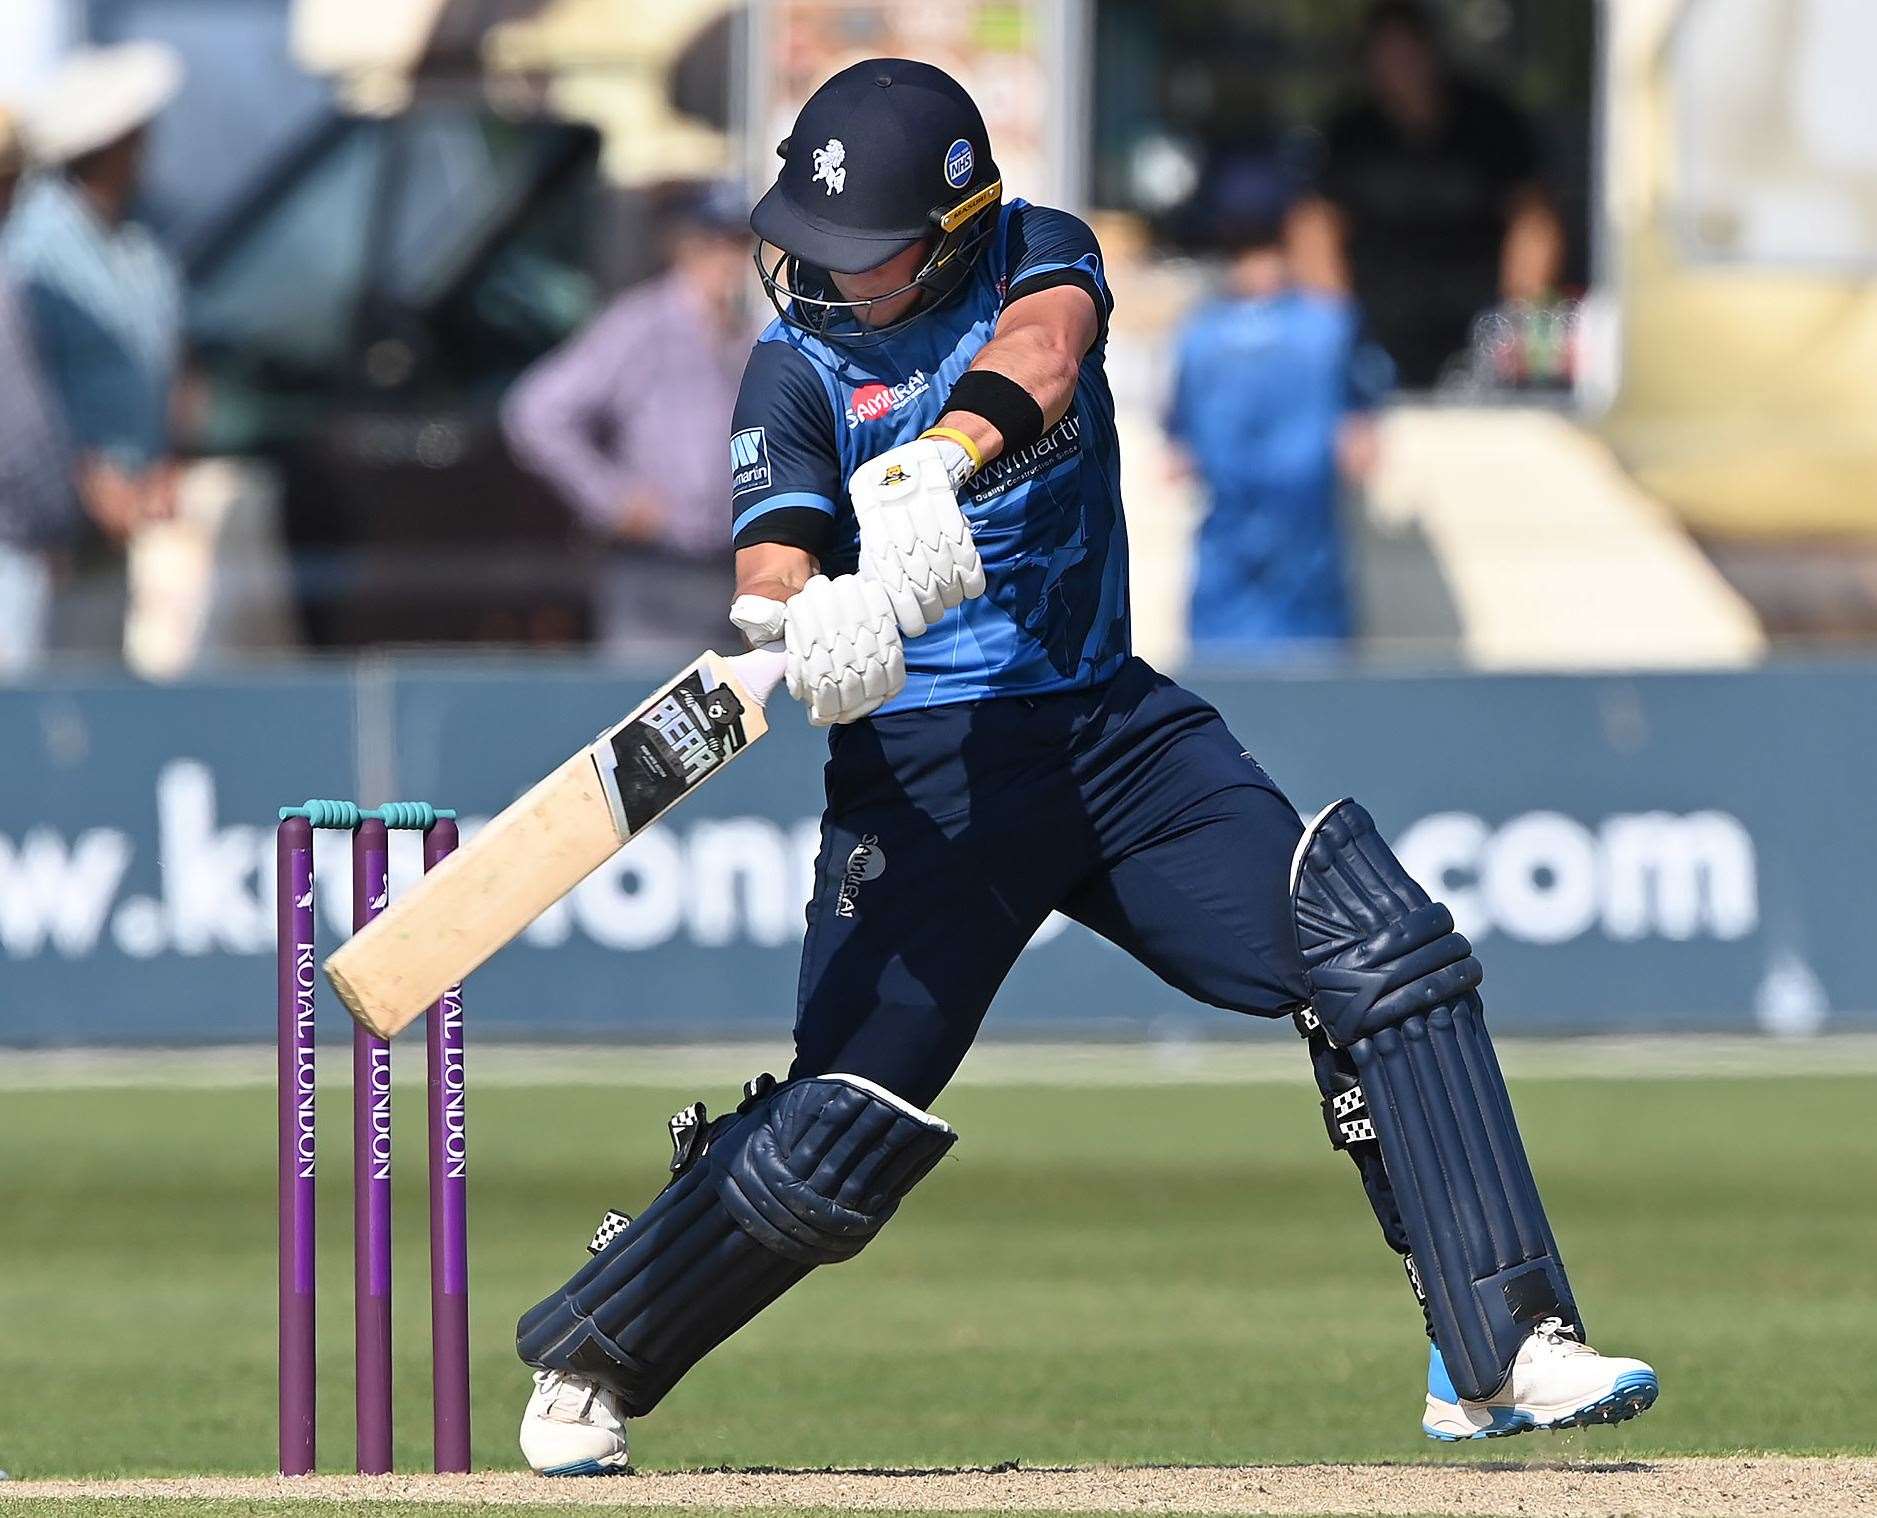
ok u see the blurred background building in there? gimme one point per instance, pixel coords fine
(1616, 253)
(1584, 289)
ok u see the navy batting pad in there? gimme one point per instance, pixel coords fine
(804, 1177)
(1395, 987)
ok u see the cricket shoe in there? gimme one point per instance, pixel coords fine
(1555, 1382)
(573, 1427)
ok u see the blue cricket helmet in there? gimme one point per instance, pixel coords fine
(887, 154)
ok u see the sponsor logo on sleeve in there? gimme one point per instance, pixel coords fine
(749, 461)
(869, 403)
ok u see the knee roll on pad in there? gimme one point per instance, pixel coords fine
(805, 1177)
(1395, 990)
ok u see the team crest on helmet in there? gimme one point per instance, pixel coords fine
(829, 166)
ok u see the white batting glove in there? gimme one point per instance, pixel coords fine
(845, 658)
(914, 539)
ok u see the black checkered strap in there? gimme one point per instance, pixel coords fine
(690, 1137)
(611, 1226)
(1346, 1116)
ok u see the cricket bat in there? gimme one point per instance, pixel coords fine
(523, 861)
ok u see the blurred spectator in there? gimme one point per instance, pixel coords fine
(1271, 405)
(630, 419)
(105, 299)
(36, 505)
(1431, 209)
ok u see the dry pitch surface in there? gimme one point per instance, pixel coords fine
(1701, 1488)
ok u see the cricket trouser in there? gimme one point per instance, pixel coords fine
(952, 832)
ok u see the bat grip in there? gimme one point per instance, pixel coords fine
(760, 670)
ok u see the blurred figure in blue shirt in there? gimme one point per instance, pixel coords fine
(1271, 410)
(105, 303)
(37, 509)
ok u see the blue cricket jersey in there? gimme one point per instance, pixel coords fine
(1046, 520)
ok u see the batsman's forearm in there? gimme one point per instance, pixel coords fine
(770, 588)
(1042, 361)
(773, 570)
(768, 576)
(1039, 345)
(988, 441)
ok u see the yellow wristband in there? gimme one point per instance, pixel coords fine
(972, 451)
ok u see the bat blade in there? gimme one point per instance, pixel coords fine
(547, 842)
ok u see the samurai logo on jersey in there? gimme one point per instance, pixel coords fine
(1058, 445)
(749, 460)
(871, 402)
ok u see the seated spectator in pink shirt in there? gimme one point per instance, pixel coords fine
(628, 420)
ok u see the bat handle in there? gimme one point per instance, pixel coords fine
(760, 670)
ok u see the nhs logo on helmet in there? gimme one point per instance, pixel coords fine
(1545, 878)
(959, 162)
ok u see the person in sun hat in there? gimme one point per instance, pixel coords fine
(104, 296)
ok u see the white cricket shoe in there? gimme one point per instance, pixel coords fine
(1555, 1382)
(573, 1427)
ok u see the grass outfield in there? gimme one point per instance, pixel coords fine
(1174, 1274)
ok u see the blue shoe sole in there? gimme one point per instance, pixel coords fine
(1632, 1395)
(588, 1468)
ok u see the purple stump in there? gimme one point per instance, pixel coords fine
(371, 1180)
(449, 1228)
(294, 954)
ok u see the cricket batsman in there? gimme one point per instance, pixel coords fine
(925, 487)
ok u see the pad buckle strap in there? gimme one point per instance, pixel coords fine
(755, 1090)
(1307, 1022)
(611, 1226)
(1346, 1116)
(690, 1137)
(690, 1126)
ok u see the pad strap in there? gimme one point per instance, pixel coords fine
(611, 1226)
(1346, 1116)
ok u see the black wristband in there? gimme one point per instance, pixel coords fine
(1002, 402)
